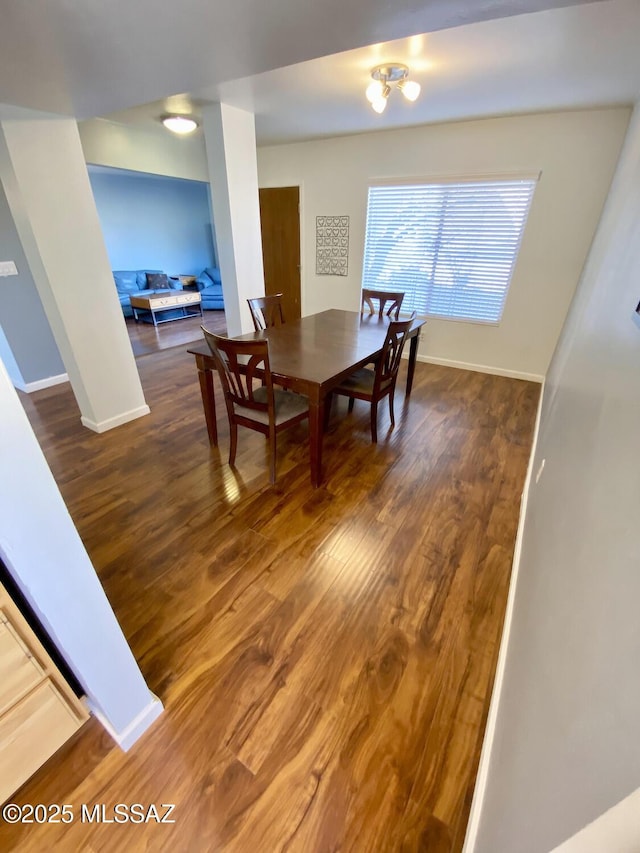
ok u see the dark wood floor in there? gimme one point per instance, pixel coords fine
(326, 656)
(146, 338)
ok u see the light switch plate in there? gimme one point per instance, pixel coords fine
(8, 268)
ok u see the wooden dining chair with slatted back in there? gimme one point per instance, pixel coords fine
(383, 296)
(374, 384)
(242, 365)
(266, 311)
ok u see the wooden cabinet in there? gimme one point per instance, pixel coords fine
(187, 280)
(38, 709)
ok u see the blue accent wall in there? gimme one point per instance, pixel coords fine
(154, 222)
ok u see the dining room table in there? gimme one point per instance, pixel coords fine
(311, 356)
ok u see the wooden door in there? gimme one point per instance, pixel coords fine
(280, 223)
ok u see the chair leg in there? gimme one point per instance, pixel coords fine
(351, 403)
(233, 435)
(272, 461)
(374, 422)
(391, 396)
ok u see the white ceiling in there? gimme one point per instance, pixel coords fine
(479, 57)
(92, 57)
(577, 56)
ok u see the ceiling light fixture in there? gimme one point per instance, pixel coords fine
(378, 91)
(179, 124)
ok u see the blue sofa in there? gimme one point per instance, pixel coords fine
(209, 283)
(134, 282)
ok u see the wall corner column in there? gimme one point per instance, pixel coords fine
(233, 173)
(47, 187)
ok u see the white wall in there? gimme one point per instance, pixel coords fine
(231, 152)
(158, 152)
(566, 745)
(48, 192)
(41, 548)
(576, 153)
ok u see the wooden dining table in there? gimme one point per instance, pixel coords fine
(311, 356)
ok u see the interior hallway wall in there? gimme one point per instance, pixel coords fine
(566, 744)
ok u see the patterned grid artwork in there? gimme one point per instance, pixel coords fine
(332, 245)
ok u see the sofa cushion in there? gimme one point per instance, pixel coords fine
(209, 277)
(142, 278)
(158, 281)
(211, 297)
(126, 281)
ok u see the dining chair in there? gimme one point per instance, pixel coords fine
(266, 311)
(395, 297)
(374, 384)
(241, 365)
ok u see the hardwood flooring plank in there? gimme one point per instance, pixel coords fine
(326, 656)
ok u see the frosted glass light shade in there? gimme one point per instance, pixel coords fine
(380, 104)
(179, 124)
(410, 89)
(374, 91)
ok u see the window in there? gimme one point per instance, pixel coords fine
(450, 246)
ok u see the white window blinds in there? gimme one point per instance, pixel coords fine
(451, 247)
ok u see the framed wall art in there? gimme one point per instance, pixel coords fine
(332, 245)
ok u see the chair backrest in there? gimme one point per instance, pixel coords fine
(383, 296)
(266, 311)
(389, 362)
(240, 364)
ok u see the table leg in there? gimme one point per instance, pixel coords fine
(208, 402)
(413, 352)
(316, 424)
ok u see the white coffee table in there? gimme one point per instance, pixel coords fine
(188, 302)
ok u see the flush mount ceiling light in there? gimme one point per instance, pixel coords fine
(384, 76)
(179, 124)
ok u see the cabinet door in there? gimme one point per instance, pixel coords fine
(20, 671)
(30, 733)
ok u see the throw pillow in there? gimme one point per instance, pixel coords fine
(158, 281)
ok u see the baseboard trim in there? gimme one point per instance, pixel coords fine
(38, 385)
(496, 693)
(110, 423)
(482, 368)
(136, 728)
